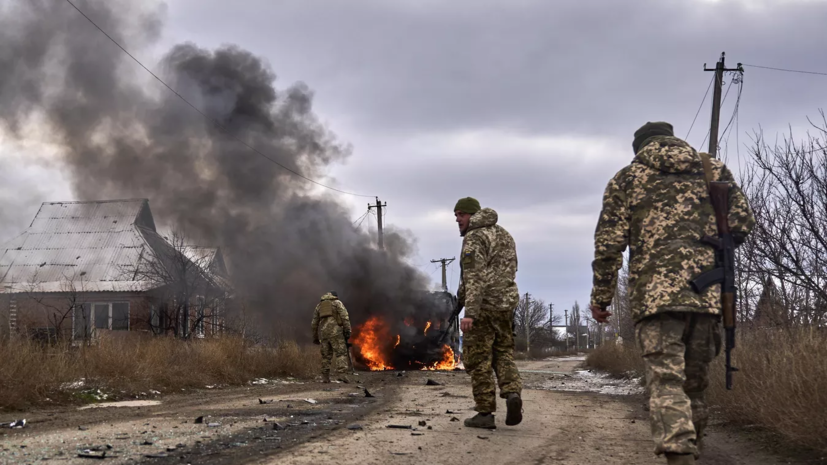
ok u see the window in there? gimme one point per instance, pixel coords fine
(113, 315)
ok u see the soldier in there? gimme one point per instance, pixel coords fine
(659, 207)
(331, 329)
(490, 295)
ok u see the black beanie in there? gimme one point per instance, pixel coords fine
(648, 130)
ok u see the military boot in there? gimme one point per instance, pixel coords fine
(680, 459)
(514, 414)
(481, 421)
(325, 377)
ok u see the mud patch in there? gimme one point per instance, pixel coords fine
(126, 403)
(589, 381)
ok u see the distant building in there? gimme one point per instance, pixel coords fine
(84, 269)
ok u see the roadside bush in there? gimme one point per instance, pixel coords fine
(620, 360)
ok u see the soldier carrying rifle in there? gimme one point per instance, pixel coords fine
(661, 207)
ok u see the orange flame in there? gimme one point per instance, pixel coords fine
(448, 361)
(426, 328)
(368, 339)
(398, 340)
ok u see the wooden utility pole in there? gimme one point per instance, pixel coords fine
(566, 312)
(378, 208)
(550, 315)
(444, 262)
(719, 69)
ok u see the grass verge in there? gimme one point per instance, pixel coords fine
(30, 374)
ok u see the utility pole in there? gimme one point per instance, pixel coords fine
(719, 69)
(550, 315)
(444, 262)
(566, 312)
(378, 208)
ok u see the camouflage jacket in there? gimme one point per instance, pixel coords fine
(330, 325)
(489, 266)
(659, 207)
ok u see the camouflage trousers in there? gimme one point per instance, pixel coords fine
(490, 345)
(677, 349)
(334, 351)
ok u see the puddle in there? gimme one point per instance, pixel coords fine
(586, 381)
(126, 403)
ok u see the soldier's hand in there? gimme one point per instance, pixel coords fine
(347, 336)
(600, 315)
(317, 341)
(465, 324)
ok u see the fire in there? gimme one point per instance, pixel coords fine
(448, 361)
(398, 340)
(368, 339)
(426, 328)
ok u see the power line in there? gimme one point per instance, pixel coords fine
(786, 70)
(360, 220)
(699, 108)
(210, 119)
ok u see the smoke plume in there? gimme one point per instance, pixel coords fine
(122, 135)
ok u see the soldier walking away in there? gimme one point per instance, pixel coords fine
(331, 329)
(659, 206)
(489, 294)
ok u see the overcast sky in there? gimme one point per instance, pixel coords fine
(528, 106)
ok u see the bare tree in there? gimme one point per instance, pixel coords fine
(786, 185)
(187, 298)
(621, 322)
(530, 318)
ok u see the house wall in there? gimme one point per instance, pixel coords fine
(39, 315)
(47, 315)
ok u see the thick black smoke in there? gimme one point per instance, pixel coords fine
(123, 135)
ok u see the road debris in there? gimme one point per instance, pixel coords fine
(422, 423)
(158, 455)
(483, 437)
(454, 419)
(16, 424)
(213, 425)
(83, 428)
(278, 426)
(91, 454)
(199, 420)
(417, 434)
(355, 427)
(311, 401)
(399, 426)
(367, 393)
(431, 382)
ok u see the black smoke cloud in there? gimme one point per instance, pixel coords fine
(123, 135)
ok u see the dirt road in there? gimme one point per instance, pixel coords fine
(571, 416)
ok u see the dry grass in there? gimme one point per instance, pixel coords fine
(782, 385)
(618, 359)
(29, 374)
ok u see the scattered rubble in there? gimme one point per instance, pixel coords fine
(367, 393)
(311, 401)
(16, 424)
(399, 426)
(431, 382)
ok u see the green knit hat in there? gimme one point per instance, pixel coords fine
(650, 130)
(468, 205)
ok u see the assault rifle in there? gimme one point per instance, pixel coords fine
(453, 321)
(724, 272)
(348, 345)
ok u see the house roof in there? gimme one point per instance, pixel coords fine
(86, 246)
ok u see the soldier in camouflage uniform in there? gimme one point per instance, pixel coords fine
(490, 295)
(331, 329)
(659, 207)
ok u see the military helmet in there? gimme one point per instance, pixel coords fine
(334, 293)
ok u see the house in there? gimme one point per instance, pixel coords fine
(83, 269)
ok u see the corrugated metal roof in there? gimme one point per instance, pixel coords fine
(93, 245)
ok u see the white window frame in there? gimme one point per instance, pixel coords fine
(109, 311)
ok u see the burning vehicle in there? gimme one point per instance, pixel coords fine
(417, 341)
